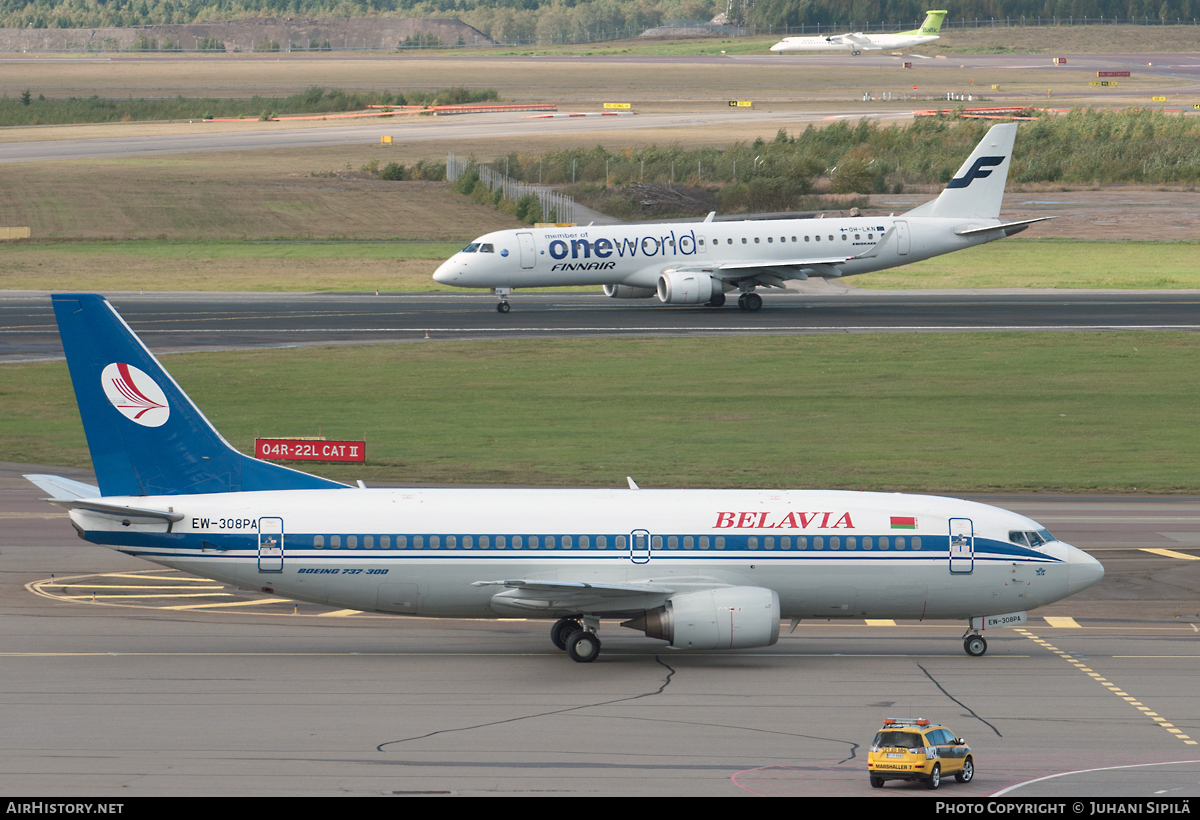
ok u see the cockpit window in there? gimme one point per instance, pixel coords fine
(1031, 538)
(488, 248)
(474, 246)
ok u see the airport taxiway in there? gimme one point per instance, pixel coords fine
(223, 321)
(123, 679)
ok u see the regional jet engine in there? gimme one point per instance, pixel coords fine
(688, 288)
(724, 618)
(627, 292)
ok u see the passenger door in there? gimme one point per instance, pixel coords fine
(270, 545)
(639, 546)
(962, 546)
(528, 250)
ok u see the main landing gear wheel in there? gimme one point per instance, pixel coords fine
(750, 302)
(935, 777)
(717, 301)
(562, 630)
(503, 307)
(583, 647)
(975, 646)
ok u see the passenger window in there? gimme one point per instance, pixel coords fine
(451, 542)
(483, 542)
(602, 542)
(500, 542)
(435, 542)
(818, 238)
(566, 542)
(720, 542)
(793, 239)
(701, 240)
(743, 240)
(335, 541)
(916, 542)
(856, 238)
(835, 542)
(369, 542)
(769, 542)
(319, 542)
(487, 249)
(851, 543)
(899, 543)
(806, 239)
(756, 240)
(584, 542)
(516, 542)
(783, 239)
(351, 542)
(673, 542)
(622, 542)
(656, 542)
(844, 237)
(802, 542)
(402, 541)
(468, 542)
(819, 542)
(385, 542)
(771, 239)
(831, 237)
(785, 543)
(883, 542)
(868, 542)
(688, 542)
(870, 236)
(752, 542)
(730, 241)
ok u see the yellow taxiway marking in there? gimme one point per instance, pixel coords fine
(176, 578)
(1145, 710)
(124, 586)
(1061, 622)
(32, 515)
(140, 597)
(1173, 554)
(340, 613)
(258, 602)
(881, 622)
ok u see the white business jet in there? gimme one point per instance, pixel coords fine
(698, 569)
(857, 42)
(697, 263)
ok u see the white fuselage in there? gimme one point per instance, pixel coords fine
(418, 551)
(852, 42)
(636, 255)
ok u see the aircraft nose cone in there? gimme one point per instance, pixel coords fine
(446, 274)
(1082, 571)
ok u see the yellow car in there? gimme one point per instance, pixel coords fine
(906, 749)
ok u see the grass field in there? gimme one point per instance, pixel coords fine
(408, 266)
(962, 413)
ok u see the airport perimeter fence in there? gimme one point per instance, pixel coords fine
(556, 207)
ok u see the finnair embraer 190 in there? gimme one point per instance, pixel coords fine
(858, 42)
(699, 569)
(697, 263)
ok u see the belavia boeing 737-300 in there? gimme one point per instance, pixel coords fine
(857, 42)
(699, 569)
(697, 263)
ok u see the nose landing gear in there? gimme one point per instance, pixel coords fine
(974, 644)
(503, 293)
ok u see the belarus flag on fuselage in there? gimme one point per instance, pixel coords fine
(900, 522)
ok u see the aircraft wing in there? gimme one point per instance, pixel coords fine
(522, 595)
(861, 41)
(774, 272)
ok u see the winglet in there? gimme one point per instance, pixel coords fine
(711, 216)
(632, 484)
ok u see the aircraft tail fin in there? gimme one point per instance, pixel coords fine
(933, 23)
(145, 435)
(977, 190)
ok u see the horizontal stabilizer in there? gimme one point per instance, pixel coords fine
(63, 488)
(117, 511)
(1009, 228)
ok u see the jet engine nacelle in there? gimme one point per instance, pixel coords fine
(725, 618)
(628, 292)
(687, 287)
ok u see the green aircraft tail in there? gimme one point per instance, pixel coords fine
(932, 25)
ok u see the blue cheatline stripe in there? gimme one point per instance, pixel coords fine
(736, 548)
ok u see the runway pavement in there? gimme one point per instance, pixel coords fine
(203, 321)
(122, 679)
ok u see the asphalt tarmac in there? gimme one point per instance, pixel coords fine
(230, 321)
(122, 679)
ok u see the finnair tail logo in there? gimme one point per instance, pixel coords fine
(980, 169)
(137, 396)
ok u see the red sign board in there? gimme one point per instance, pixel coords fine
(291, 449)
(1112, 73)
